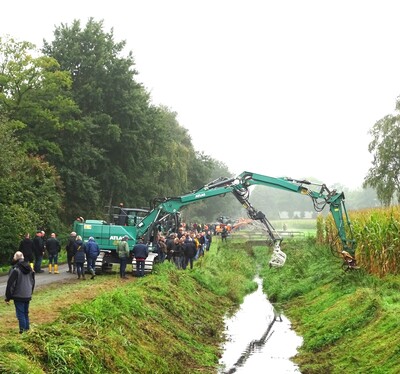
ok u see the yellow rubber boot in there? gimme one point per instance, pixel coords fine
(56, 269)
(49, 268)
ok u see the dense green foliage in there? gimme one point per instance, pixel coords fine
(79, 133)
(169, 322)
(30, 192)
(348, 319)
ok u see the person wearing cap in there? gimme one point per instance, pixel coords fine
(71, 250)
(20, 286)
(123, 255)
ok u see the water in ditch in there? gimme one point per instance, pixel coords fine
(258, 340)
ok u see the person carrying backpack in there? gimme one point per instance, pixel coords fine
(92, 251)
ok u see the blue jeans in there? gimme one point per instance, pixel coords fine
(38, 264)
(79, 268)
(53, 259)
(161, 257)
(22, 312)
(140, 267)
(178, 260)
(91, 264)
(122, 266)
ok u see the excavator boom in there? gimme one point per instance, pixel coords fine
(164, 208)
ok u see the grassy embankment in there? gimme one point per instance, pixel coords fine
(349, 321)
(168, 322)
(171, 321)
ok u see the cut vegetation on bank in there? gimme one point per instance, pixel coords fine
(348, 320)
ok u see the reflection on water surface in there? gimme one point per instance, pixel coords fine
(258, 341)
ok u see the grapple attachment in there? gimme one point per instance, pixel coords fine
(278, 258)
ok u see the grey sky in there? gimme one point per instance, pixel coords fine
(281, 88)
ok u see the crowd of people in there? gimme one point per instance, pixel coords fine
(181, 248)
(34, 250)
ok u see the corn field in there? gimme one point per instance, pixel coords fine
(377, 233)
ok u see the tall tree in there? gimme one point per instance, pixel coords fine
(384, 175)
(36, 95)
(141, 148)
(30, 192)
(112, 104)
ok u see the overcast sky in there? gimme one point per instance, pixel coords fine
(281, 88)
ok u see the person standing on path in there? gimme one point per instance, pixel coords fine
(140, 252)
(123, 255)
(38, 251)
(92, 251)
(71, 249)
(20, 286)
(53, 248)
(26, 247)
(80, 257)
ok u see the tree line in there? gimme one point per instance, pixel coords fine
(79, 133)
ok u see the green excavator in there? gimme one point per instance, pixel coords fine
(165, 212)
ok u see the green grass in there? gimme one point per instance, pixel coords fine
(348, 319)
(168, 322)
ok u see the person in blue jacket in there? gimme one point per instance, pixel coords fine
(140, 252)
(92, 251)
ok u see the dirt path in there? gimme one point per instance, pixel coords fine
(53, 294)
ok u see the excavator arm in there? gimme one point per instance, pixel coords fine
(165, 208)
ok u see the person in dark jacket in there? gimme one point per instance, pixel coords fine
(80, 257)
(26, 247)
(178, 255)
(189, 251)
(170, 243)
(20, 286)
(224, 234)
(140, 252)
(53, 248)
(208, 237)
(92, 251)
(71, 249)
(38, 251)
